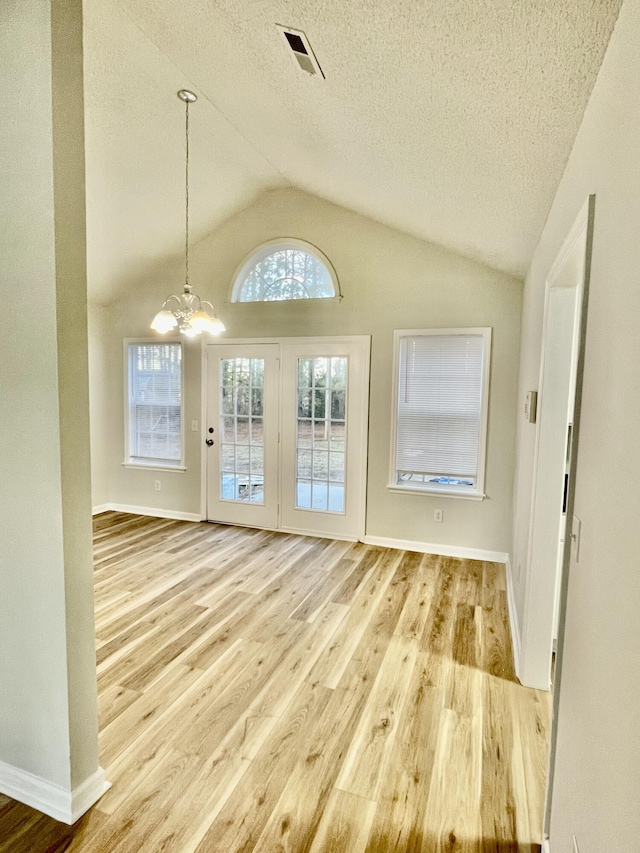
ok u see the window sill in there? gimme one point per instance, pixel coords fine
(444, 491)
(154, 466)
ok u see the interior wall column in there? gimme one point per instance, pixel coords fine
(48, 697)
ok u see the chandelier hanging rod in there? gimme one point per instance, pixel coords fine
(187, 311)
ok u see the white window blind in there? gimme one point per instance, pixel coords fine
(440, 408)
(155, 392)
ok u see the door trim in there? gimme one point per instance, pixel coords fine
(365, 341)
(534, 668)
(588, 214)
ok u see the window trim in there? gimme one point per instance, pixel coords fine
(137, 462)
(477, 493)
(263, 251)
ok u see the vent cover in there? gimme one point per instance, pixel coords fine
(300, 50)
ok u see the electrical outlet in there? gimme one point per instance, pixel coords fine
(194, 426)
(575, 845)
(437, 515)
(157, 485)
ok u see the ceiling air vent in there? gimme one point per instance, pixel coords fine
(300, 50)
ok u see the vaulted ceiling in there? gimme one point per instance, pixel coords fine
(450, 120)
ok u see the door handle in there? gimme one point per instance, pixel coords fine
(209, 441)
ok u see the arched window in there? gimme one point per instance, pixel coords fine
(283, 270)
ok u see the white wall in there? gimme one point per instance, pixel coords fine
(390, 281)
(597, 781)
(48, 709)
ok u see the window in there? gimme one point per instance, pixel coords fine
(284, 270)
(440, 411)
(154, 411)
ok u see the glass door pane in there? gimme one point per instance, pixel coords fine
(242, 450)
(242, 430)
(320, 433)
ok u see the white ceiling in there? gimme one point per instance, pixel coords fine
(449, 120)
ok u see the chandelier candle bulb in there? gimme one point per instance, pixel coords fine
(188, 312)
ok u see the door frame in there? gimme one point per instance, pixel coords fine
(571, 545)
(362, 441)
(536, 648)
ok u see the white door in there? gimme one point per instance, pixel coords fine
(242, 434)
(556, 414)
(325, 387)
(290, 434)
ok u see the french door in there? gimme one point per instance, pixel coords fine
(286, 433)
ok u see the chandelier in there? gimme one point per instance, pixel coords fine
(190, 314)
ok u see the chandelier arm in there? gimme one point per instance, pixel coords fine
(168, 300)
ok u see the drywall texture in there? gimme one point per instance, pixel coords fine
(389, 281)
(47, 666)
(597, 780)
(449, 120)
(135, 152)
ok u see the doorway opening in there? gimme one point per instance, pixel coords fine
(554, 532)
(551, 524)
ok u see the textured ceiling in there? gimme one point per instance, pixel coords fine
(449, 120)
(134, 128)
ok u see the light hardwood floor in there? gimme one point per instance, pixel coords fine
(267, 693)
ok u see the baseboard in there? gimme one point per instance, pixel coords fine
(546, 847)
(442, 550)
(59, 803)
(154, 512)
(513, 619)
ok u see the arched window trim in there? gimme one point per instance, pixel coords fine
(264, 250)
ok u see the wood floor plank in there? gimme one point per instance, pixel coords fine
(463, 693)
(348, 590)
(402, 801)
(339, 655)
(345, 824)
(133, 722)
(324, 591)
(112, 702)
(245, 677)
(45, 834)
(452, 819)
(123, 666)
(413, 619)
(245, 814)
(530, 718)
(501, 805)
(295, 819)
(128, 828)
(497, 657)
(362, 772)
